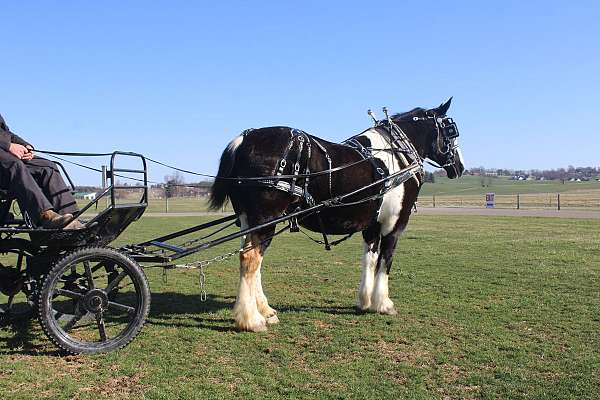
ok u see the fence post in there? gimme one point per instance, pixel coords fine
(167, 198)
(558, 201)
(518, 201)
(434, 201)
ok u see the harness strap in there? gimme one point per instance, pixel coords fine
(307, 196)
(322, 227)
(403, 145)
(303, 141)
(329, 169)
(283, 160)
(366, 153)
(297, 164)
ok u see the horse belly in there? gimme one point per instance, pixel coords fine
(342, 220)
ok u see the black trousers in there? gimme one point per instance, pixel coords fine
(36, 185)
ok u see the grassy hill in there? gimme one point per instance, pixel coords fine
(472, 185)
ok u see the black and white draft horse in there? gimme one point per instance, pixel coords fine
(364, 159)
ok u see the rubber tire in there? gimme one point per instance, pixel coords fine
(67, 343)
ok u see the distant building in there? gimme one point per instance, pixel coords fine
(85, 196)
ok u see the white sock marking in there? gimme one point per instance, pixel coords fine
(365, 290)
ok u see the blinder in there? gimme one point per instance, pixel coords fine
(448, 127)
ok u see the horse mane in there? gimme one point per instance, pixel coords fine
(417, 111)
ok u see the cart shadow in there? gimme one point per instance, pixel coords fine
(168, 309)
(22, 340)
(171, 309)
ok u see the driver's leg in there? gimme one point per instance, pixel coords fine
(16, 178)
(47, 176)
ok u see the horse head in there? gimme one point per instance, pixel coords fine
(435, 136)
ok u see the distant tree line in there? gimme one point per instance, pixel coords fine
(563, 174)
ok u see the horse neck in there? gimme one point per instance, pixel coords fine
(416, 137)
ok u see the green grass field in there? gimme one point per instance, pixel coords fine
(472, 185)
(488, 308)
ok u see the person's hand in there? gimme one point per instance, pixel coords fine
(29, 155)
(18, 150)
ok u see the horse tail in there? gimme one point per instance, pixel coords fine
(221, 187)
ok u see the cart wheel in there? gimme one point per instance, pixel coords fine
(17, 289)
(16, 308)
(85, 309)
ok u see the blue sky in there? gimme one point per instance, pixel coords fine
(177, 80)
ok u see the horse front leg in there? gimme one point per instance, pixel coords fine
(380, 299)
(367, 279)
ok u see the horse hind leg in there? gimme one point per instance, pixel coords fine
(246, 314)
(261, 299)
(262, 303)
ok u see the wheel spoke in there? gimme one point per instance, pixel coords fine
(72, 321)
(101, 327)
(68, 293)
(88, 273)
(98, 266)
(113, 284)
(10, 303)
(121, 307)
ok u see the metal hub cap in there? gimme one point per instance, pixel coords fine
(95, 300)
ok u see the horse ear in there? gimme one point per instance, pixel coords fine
(443, 108)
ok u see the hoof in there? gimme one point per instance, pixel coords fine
(388, 311)
(255, 327)
(273, 319)
(362, 310)
(386, 307)
(267, 311)
(363, 306)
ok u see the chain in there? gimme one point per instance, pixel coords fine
(201, 265)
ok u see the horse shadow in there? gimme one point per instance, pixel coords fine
(168, 309)
(172, 309)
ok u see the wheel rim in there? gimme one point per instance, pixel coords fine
(95, 300)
